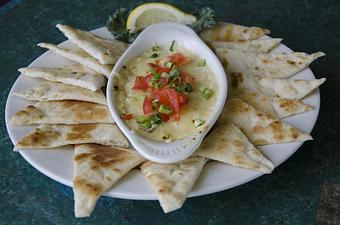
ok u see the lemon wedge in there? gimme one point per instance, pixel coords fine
(151, 13)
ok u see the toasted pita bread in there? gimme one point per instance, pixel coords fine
(96, 169)
(231, 32)
(80, 56)
(76, 75)
(228, 144)
(63, 112)
(104, 50)
(274, 65)
(260, 128)
(50, 91)
(247, 88)
(261, 46)
(173, 182)
(287, 88)
(51, 136)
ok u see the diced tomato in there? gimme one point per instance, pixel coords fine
(126, 116)
(187, 77)
(152, 65)
(179, 59)
(140, 84)
(161, 70)
(164, 117)
(148, 79)
(173, 99)
(182, 99)
(175, 116)
(164, 81)
(147, 106)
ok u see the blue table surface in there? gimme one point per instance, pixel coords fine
(290, 195)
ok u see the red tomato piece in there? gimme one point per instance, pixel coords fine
(187, 77)
(140, 84)
(161, 70)
(164, 117)
(126, 116)
(148, 79)
(147, 105)
(179, 59)
(182, 99)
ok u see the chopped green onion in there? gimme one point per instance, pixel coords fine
(155, 83)
(176, 78)
(201, 63)
(172, 85)
(198, 122)
(179, 88)
(153, 72)
(174, 71)
(154, 55)
(155, 104)
(155, 77)
(167, 64)
(142, 119)
(155, 119)
(206, 92)
(187, 87)
(164, 109)
(155, 48)
(172, 46)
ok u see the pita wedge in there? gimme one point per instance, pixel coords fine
(50, 91)
(51, 136)
(228, 144)
(173, 182)
(63, 112)
(80, 56)
(261, 46)
(231, 32)
(247, 88)
(287, 88)
(76, 75)
(274, 65)
(96, 169)
(260, 128)
(104, 50)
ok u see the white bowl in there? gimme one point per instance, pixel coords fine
(160, 34)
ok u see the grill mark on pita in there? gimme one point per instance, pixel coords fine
(80, 132)
(39, 138)
(85, 187)
(86, 110)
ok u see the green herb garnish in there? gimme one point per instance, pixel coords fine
(155, 48)
(155, 119)
(164, 109)
(154, 55)
(167, 64)
(198, 122)
(187, 87)
(206, 19)
(174, 71)
(206, 92)
(172, 46)
(201, 63)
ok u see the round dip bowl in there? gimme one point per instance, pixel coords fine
(161, 34)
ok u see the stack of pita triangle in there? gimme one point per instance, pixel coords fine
(71, 110)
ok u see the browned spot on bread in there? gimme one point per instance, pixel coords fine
(82, 156)
(86, 110)
(80, 132)
(265, 61)
(238, 143)
(291, 62)
(236, 79)
(83, 186)
(39, 138)
(294, 133)
(28, 114)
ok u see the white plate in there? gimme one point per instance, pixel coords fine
(57, 164)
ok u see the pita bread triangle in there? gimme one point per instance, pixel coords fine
(290, 89)
(104, 50)
(260, 128)
(96, 169)
(50, 136)
(76, 75)
(80, 56)
(224, 31)
(247, 88)
(63, 112)
(226, 143)
(273, 65)
(257, 45)
(173, 182)
(51, 91)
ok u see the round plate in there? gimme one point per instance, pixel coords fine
(58, 163)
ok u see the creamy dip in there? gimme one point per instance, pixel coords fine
(193, 113)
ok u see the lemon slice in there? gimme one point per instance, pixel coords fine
(151, 13)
